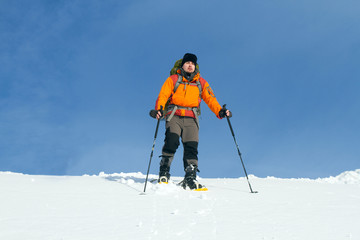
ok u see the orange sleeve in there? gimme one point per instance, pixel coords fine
(165, 93)
(209, 98)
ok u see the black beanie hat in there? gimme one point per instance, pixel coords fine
(189, 57)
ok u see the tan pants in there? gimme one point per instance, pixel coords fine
(187, 129)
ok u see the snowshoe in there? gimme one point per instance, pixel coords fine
(190, 181)
(192, 184)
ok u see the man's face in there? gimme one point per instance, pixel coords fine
(189, 67)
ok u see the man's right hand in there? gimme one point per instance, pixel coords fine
(156, 114)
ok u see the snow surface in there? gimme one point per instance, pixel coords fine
(110, 206)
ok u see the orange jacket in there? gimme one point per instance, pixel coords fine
(187, 95)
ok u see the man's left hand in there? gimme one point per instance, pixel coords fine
(225, 113)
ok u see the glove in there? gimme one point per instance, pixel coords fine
(153, 113)
(222, 113)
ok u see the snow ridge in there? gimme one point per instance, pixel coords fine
(347, 177)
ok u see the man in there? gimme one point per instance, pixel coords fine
(184, 92)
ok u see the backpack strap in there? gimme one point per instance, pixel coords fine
(172, 113)
(178, 82)
(200, 83)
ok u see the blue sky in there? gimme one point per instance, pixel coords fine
(78, 78)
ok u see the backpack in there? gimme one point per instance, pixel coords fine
(177, 79)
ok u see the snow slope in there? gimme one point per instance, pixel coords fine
(109, 206)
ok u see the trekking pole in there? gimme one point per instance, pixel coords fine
(152, 151)
(237, 146)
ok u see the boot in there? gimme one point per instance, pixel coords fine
(164, 174)
(190, 179)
